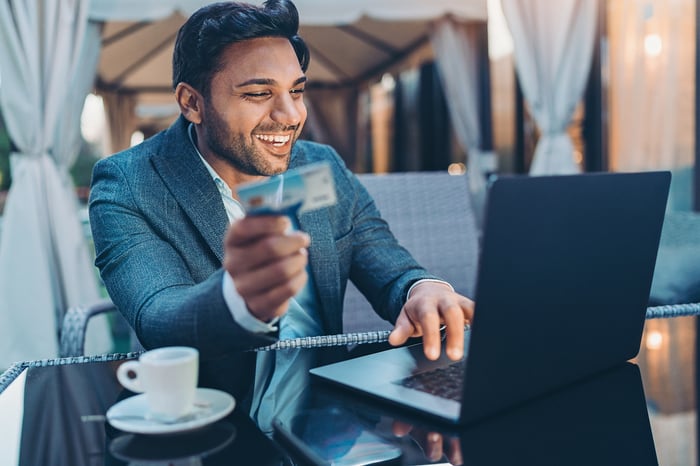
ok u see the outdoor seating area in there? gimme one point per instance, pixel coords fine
(422, 107)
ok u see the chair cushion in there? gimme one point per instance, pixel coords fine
(677, 275)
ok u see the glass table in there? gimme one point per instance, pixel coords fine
(53, 413)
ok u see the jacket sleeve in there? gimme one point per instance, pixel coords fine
(149, 280)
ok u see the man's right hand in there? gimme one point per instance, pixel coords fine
(267, 261)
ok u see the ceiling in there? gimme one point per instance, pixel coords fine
(136, 55)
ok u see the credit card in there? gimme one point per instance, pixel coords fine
(306, 188)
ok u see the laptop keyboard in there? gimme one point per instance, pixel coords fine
(444, 382)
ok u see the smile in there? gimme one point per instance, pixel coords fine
(274, 139)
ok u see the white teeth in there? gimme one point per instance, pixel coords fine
(276, 139)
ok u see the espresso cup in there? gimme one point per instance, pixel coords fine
(168, 379)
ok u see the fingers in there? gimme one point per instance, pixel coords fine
(274, 302)
(437, 446)
(252, 228)
(403, 330)
(455, 316)
(401, 429)
(278, 272)
(267, 262)
(434, 444)
(430, 306)
(430, 442)
(256, 241)
(455, 455)
(406, 328)
(429, 322)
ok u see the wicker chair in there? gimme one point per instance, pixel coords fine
(74, 327)
(677, 274)
(432, 215)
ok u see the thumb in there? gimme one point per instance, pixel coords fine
(402, 330)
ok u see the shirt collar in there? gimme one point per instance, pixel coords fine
(220, 183)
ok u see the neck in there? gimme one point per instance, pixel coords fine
(223, 168)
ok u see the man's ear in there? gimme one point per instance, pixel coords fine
(190, 102)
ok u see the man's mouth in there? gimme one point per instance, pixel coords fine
(277, 140)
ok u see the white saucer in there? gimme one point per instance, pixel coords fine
(129, 415)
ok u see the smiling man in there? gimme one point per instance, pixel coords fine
(183, 262)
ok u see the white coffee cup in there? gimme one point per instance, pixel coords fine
(168, 379)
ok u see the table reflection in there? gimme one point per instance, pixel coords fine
(602, 420)
(192, 449)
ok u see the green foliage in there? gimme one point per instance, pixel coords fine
(82, 168)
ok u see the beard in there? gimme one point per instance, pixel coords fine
(240, 150)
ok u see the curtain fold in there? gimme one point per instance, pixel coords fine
(47, 68)
(406, 145)
(433, 120)
(553, 44)
(456, 59)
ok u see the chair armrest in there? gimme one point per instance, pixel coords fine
(7, 377)
(72, 338)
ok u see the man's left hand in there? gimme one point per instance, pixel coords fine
(431, 305)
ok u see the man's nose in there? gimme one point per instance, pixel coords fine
(288, 110)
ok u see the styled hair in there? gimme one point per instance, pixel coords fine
(205, 35)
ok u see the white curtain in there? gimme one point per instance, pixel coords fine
(652, 90)
(456, 59)
(553, 43)
(47, 67)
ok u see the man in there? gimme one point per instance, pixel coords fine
(185, 265)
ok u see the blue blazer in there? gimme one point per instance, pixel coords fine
(158, 224)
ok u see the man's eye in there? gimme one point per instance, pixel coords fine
(256, 94)
(298, 91)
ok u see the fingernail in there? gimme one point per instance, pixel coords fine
(433, 353)
(454, 354)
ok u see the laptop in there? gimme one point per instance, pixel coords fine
(562, 288)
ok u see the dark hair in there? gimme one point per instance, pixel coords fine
(204, 36)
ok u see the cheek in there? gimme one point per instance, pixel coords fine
(243, 121)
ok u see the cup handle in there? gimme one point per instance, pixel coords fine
(128, 376)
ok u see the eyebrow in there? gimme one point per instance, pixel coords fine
(268, 82)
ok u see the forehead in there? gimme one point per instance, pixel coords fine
(260, 58)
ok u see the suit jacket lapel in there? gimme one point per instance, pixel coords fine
(324, 267)
(192, 186)
(323, 258)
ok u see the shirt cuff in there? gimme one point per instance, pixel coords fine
(240, 311)
(423, 280)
